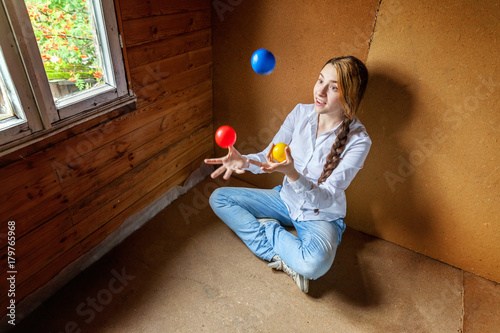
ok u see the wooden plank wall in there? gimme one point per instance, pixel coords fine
(70, 191)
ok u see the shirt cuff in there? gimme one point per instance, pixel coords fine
(300, 185)
(252, 167)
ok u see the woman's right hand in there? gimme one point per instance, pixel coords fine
(232, 162)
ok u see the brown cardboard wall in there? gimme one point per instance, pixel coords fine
(432, 110)
(431, 180)
(302, 36)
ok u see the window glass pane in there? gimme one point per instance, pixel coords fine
(70, 44)
(8, 96)
(5, 107)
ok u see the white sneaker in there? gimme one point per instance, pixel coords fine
(263, 221)
(278, 264)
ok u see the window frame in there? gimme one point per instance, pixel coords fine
(50, 117)
(26, 120)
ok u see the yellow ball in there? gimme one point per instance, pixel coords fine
(279, 152)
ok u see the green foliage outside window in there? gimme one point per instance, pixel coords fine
(64, 30)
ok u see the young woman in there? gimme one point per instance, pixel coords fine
(327, 147)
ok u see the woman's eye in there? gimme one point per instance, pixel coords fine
(320, 81)
(334, 88)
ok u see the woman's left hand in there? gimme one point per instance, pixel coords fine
(287, 166)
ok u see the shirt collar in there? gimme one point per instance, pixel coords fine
(313, 118)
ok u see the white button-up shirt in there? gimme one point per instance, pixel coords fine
(304, 195)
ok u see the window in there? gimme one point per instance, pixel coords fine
(68, 65)
(18, 116)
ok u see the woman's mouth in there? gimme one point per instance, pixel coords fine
(319, 102)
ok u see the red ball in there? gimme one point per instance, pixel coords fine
(225, 136)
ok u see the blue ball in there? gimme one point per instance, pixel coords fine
(263, 62)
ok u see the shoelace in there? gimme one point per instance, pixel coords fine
(263, 221)
(279, 264)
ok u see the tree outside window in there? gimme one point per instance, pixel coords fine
(67, 39)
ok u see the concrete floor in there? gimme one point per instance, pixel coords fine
(185, 271)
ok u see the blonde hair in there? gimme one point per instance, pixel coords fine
(352, 78)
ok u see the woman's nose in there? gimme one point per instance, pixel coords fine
(322, 91)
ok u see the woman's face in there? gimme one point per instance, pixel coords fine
(326, 92)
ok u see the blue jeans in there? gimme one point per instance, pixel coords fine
(310, 253)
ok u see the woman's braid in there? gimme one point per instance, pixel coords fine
(333, 158)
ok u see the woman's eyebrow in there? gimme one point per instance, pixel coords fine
(324, 77)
